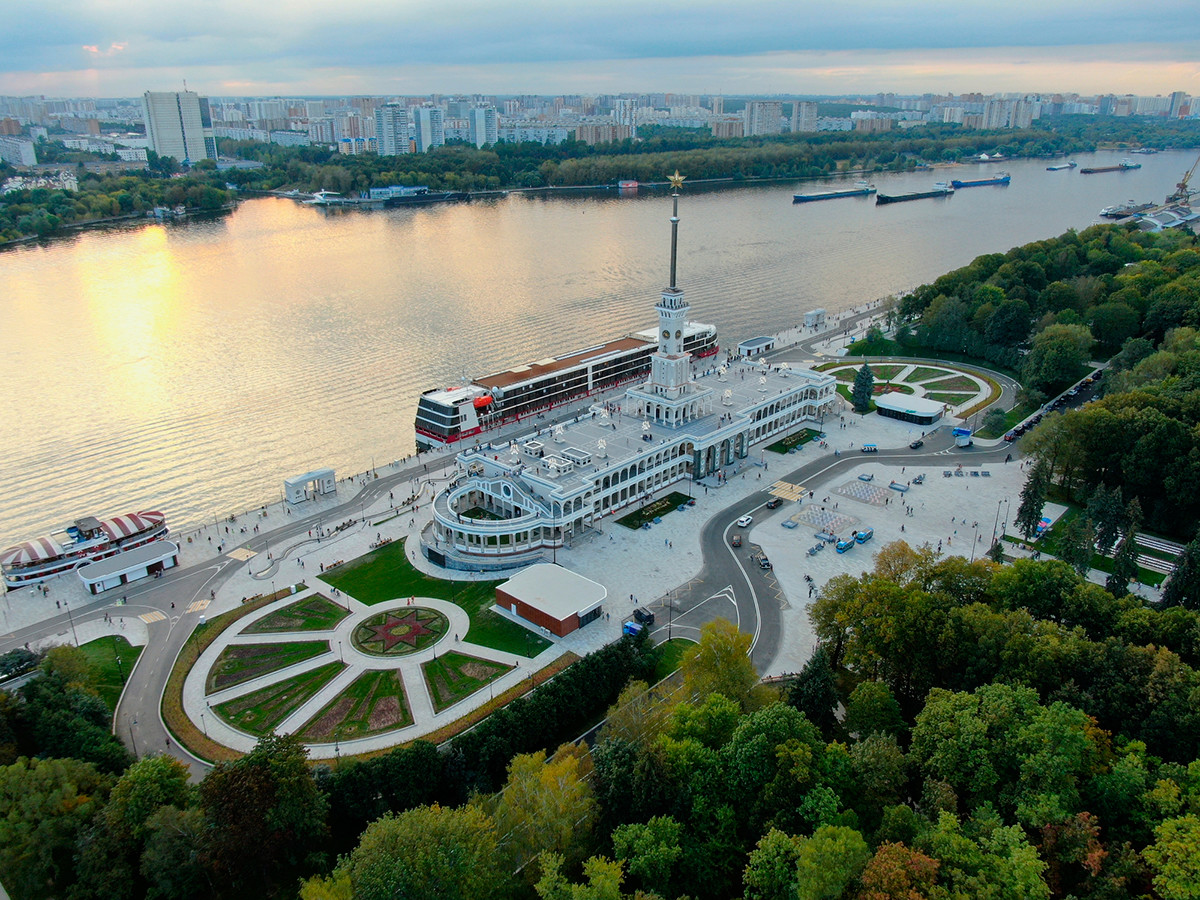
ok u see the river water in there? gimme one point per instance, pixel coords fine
(192, 367)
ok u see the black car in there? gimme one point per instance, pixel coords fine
(916, 445)
(643, 616)
(773, 503)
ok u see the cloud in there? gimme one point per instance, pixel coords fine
(114, 47)
(419, 46)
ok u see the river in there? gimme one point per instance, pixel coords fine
(192, 367)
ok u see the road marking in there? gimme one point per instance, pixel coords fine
(149, 617)
(198, 605)
(787, 491)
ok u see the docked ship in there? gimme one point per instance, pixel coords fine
(861, 190)
(1067, 165)
(84, 541)
(998, 178)
(1125, 165)
(1123, 210)
(446, 416)
(941, 189)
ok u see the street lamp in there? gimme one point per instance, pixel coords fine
(71, 619)
(203, 724)
(341, 656)
(132, 739)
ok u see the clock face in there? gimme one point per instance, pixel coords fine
(678, 335)
(666, 333)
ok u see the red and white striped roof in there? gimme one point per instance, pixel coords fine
(120, 527)
(30, 552)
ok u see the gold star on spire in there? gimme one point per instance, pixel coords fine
(676, 180)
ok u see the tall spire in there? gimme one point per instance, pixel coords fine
(676, 181)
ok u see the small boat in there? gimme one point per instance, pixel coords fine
(1067, 165)
(941, 189)
(998, 178)
(863, 189)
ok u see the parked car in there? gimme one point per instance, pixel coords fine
(864, 535)
(643, 616)
(764, 563)
(736, 541)
(844, 545)
(744, 521)
(773, 503)
(917, 444)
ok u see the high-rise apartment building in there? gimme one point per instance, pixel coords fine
(804, 116)
(624, 113)
(429, 127)
(483, 122)
(763, 117)
(392, 131)
(179, 125)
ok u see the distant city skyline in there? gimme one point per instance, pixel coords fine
(318, 47)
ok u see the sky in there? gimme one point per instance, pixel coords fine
(121, 48)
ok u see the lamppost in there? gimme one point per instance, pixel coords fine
(132, 739)
(71, 619)
(203, 724)
(341, 656)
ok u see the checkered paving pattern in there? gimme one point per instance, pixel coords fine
(863, 491)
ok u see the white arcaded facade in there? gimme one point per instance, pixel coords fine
(535, 493)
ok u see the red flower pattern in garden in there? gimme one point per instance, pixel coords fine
(398, 629)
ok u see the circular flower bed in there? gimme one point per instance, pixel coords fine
(400, 631)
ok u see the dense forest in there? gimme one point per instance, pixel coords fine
(462, 167)
(1006, 731)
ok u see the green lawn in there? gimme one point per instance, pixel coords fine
(478, 512)
(372, 704)
(239, 663)
(952, 399)
(845, 391)
(892, 348)
(110, 676)
(924, 373)
(1017, 414)
(886, 371)
(886, 387)
(453, 676)
(803, 436)
(400, 631)
(660, 507)
(260, 711)
(957, 383)
(386, 574)
(671, 656)
(314, 613)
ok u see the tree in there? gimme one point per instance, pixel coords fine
(828, 862)
(1075, 545)
(1125, 565)
(44, 806)
(1174, 857)
(864, 386)
(1182, 587)
(1107, 511)
(651, 851)
(994, 420)
(172, 861)
(872, 709)
(265, 813)
(1057, 354)
(604, 877)
(771, 870)
(429, 853)
(814, 691)
(546, 805)
(720, 663)
(897, 872)
(1033, 499)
